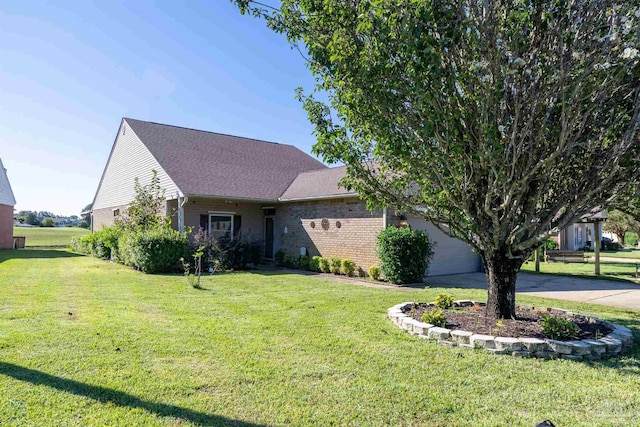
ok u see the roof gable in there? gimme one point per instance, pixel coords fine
(129, 159)
(212, 164)
(6, 194)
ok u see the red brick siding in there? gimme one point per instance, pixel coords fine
(6, 227)
(355, 239)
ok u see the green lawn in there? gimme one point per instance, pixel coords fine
(624, 253)
(608, 270)
(48, 237)
(87, 342)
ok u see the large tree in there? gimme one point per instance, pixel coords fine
(619, 223)
(499, 121)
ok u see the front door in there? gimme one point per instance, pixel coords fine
(269, 223)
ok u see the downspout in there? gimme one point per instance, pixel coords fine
(384, 218)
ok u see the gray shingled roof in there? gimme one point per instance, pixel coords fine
(317, 184)
(212, 164)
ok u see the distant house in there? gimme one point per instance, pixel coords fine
(7, 202)
(582, 234)
(226, 185)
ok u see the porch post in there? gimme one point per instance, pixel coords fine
(181, 201)
(596, 246)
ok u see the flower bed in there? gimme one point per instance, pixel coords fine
(618, 341)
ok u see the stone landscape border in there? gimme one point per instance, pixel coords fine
(617, 342)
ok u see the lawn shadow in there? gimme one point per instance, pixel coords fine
(6, 254)
(118, 398)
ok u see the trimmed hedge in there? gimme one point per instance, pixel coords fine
(404, 254)
(153, 251)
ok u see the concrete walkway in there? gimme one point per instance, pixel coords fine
(605, 292)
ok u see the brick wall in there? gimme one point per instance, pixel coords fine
(6, 227)
(355, 238)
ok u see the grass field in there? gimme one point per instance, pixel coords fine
(87, 342)
(608, 270)
(48, 237)
(624, 253)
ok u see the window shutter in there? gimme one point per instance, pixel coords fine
(237, 223)
(204, 222)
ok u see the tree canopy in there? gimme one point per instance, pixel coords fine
(504, 120)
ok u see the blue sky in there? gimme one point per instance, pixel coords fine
(69, 70)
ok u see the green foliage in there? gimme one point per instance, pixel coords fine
(444, 301)
(325, 265)
(47, 222)
(279, 258)
(374, 272)
(348, 267)
(154, 251)
(101, 244)
(404, 254)
(315, 263)
(290, 261)
(486, 118)
(147, 211)
(558, 328)
(631, 238)
(335, 265)
(550, 244)
(435, 317)
(305, 263)
(619, 223)
(83, 224)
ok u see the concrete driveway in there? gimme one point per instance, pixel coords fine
(605, 292)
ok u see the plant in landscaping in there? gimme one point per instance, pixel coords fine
(153, 251)
(404, 254)
(304, 263)
(279, 258)
(348, 267)
(48, 222)
(497, 121)
(194, 278)
(435, 316)
(325, 265)
(335, 265)
(374, 272)
(558, 328)
(444, 301)
(315, 263)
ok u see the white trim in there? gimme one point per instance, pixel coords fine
(327, 197)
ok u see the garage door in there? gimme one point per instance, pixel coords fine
(451, 256)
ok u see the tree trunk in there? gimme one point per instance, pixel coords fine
(501, 273)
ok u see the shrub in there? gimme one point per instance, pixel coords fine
(279, 258)
(48, 222)
(290, 262)
(558, 328)
(315, 263)
(325, 265)
(404, 254)
(153, 251)
(631, 238)
(81, 244)
(435, 317)
(348, 267)
(335, 264)
(550, 244)
(304, 263)
(444, 301)
(374, 272)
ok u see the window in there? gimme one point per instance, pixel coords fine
(116, 212)
(221, 226)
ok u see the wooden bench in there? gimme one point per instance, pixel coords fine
(565, 256)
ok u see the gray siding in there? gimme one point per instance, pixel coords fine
(6, 195)
(451, 256)
(129, 159)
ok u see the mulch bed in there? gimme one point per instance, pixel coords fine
(527, 322)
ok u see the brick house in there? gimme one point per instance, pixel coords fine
(227, 185)
(7, 202)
